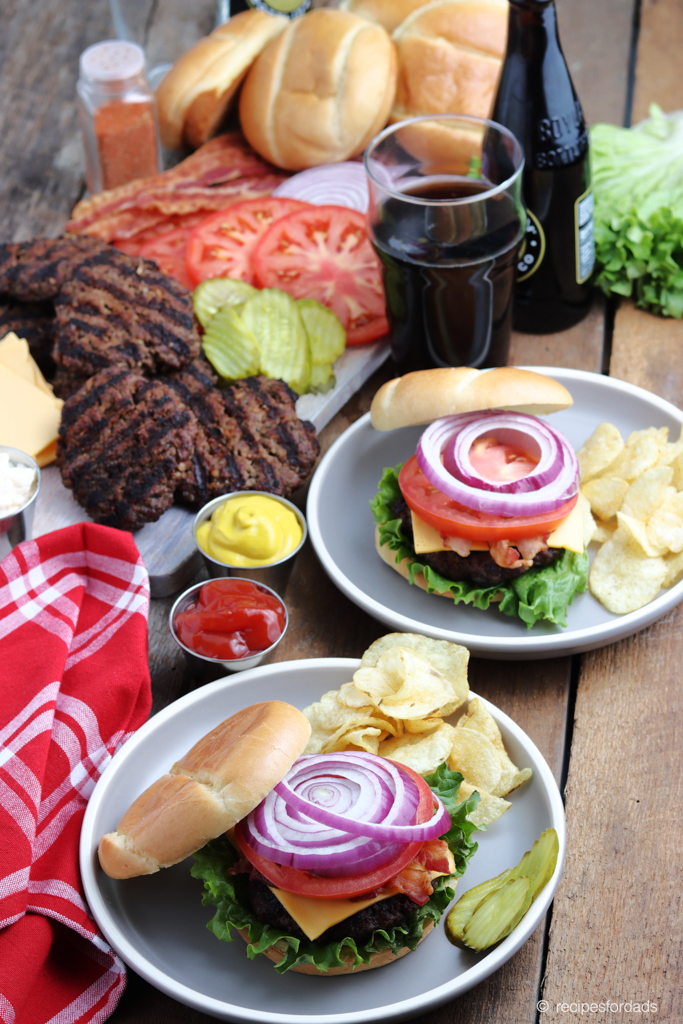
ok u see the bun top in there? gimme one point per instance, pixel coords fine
(320, 91)
(450, 54)
(428, 395)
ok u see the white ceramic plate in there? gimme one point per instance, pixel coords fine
(158, 924)
(341, 528)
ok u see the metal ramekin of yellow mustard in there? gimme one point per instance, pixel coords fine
(249, 529)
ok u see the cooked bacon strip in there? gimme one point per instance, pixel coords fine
(507, 556)
(208, 180)
(459, 545)
(529, 547)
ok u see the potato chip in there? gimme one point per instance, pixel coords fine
(605, 495)
(638, 534)
(674, 567)
(605, 531)
(489, 808)
(330, 720)
(422, 753)
(479, 719)
(622, 577)
(643, 450)
(599, 451)
(589, 524)
(648, 493)
(362, 739)
(351, 697)
(404, 685)
(677, 466)
(421, 724)
(475, 756)
(665, 527)
(450, 659)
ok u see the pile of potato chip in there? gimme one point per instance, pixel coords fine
(396, 707)
(635, 490)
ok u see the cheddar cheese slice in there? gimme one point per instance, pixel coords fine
(29, 412)
(569, 534)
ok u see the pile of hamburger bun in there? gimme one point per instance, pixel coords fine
(316, 89)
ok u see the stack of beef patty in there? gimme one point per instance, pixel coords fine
(144, 422)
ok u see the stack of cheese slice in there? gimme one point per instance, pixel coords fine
(29, 412)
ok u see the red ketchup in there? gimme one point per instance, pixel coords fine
(232, 618)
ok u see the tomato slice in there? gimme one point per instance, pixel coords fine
(323, 253)
(222, 244)
(452, 519)
(306, 884)
(168, 252)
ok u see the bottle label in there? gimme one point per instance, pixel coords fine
(533, 248)
(292, 7)
(585, 241)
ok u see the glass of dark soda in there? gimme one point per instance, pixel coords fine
(446, 219)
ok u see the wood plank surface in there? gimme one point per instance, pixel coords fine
(658, 71)
(616, 932)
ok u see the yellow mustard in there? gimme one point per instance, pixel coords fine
(250, 529)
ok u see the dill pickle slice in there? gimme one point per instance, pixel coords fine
(498, 913)
(230, 346)
(210, 296)
(273, 318)
(325, 332)
(322, 379)
(540, 861)
(459, 917)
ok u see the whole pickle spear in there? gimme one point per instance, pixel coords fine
(498, 913)
(537, 866)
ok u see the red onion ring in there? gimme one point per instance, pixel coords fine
(343, 184)
(340, 815)
(443, 457)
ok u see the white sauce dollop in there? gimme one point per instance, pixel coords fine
(17, 484)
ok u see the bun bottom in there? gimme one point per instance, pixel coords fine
(389, 557)
(376, 960)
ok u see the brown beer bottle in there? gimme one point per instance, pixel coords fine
(537, 101)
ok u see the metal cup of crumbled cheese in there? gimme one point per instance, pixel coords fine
(19, 486)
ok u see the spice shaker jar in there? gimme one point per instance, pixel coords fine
(117, 115)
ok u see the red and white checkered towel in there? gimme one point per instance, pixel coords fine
(74, 685)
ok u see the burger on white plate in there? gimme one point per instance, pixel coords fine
(332, 863)
(487, 510)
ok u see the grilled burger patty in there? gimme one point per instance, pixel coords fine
(36, 270)
(125, 444)
(249, 436)
(478, 567)
(385, 914)
(121, 310)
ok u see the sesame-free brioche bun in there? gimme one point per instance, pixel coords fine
(217, 783)
(387, 13)
(320, 91)
(376, 960)
(449, 58)
(427, 395)
(195, 95)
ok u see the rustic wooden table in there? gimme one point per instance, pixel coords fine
(608, 722)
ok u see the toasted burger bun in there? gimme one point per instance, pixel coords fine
(427, 395)
(387, 13)
(449, 58)
(216, 784)
(196, 93)
(320, 91)
(376, 959)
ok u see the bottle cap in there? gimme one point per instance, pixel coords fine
(112, 61)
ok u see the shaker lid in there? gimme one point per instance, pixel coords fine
(112, 61)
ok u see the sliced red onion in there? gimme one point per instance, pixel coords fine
(341, 815)
(342, 184)
(443, 456)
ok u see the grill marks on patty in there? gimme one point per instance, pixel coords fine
(34, 271)
(478, 567)
(128, 445)
(121, 310)
(125, 445)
